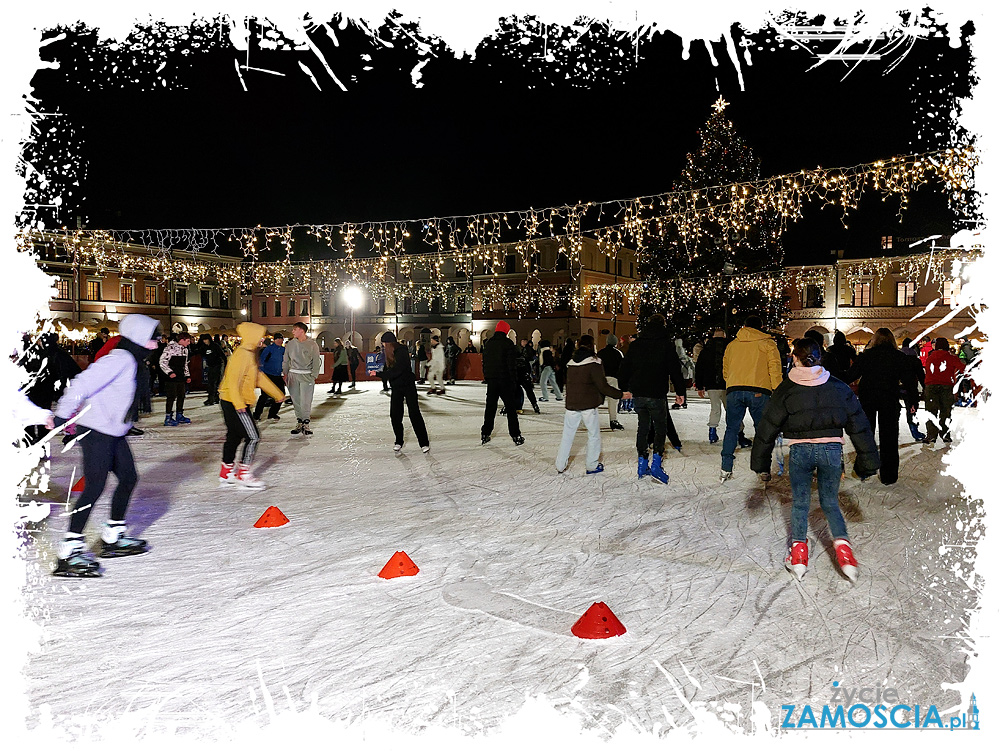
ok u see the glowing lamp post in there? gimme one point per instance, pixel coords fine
(353, 297)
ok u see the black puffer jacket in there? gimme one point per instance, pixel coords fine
(650, 364)
(611, 358)
(821, 411)
(882, 371)
(500, 359)
(839, 358)
(708, 369)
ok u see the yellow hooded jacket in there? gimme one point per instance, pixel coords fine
(242, 375)
(752, 362)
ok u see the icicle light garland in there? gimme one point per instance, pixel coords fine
(463, 244)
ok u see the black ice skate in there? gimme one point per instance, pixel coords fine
(305, 428)
(78, 564)
(123, 546)
(486, 439)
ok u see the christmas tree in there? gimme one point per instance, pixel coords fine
(711, 261)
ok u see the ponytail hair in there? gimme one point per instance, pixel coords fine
(806, 351)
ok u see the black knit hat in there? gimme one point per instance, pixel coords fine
(388, 336)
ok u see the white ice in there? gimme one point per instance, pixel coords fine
(221, 618)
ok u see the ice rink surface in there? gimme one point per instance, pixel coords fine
(510, 555)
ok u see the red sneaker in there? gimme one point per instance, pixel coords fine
(797, 559)
(845, 559)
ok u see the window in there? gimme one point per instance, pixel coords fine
(812, 296)
(607, 264)
(618, 267)
(206, 298)
(93, 289)
(950, 291)
(407, 305)
(461, 305)
(510, 264)
(63, 288)
(436, 305)
(263, 308)
(861, 294)
(593, 304)
(223, 299)
(887, 242)
(150, 294)
(381, 306)
(181, 297)
(128, 293)
(324, 305)
(631, 271)
(277, 308)
(304, 310)
(562, 263)
(905, 293)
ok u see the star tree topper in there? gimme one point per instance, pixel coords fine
(720, 105)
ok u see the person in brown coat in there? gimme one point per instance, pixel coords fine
(586, 387)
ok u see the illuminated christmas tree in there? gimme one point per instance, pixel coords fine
(718, 255)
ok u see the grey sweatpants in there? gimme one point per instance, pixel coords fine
(300, 388)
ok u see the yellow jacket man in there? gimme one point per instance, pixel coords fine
(237, 396)
(751, 369)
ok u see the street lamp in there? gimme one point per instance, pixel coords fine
(353, 297)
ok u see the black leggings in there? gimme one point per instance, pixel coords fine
(240, 428)
(406, 391)
(175, 390)
(103, 454)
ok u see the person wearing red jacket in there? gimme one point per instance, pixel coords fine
(942, 371)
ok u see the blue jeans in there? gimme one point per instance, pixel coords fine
(824, 458)
(548, 378)
(738, 403)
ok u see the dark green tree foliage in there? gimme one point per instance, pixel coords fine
(699, 264)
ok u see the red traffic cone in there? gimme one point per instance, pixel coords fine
(399, 565)
(271, 518)
(78, 486)
(598, 623)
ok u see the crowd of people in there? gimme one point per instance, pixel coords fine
(804, 396)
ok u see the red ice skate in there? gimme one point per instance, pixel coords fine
(797, 560)
(845, 559)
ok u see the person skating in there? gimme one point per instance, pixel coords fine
(353, 360)
(751, 368)
(611, 358)
(97, 343)
(340, 363)
(174, 365)
(839, 358)
(687, 369)
(212, 362)
(526, 385)
(399, 372)
(943, 371)
(379, 368)
(435, 370)
(708, 379)
(565, 355)
(142, 388)
(547, 378)
(300, 366)
(103, 395)
(50, 368)
(272, 360)
(912, 405)
(883, 371)
(451, 353)
(812, 410)
(500, 372)
(586, 388)
(646, 371)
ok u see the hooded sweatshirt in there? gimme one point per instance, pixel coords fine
(106, 389)
(302, 358)
(586, 385)
(242, 375)
(752, 362)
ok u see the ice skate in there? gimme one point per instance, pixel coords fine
(518, 440)
(305, 428)
(78, 564)
(744, 442)
(656, 470)
(123, 546)
(724, 476)
(915, 432)
(227, 475)
(425, 449)
(245, 479)
(169, 420)
(845, 559)
(537, 410)
(713, 435)
(298, 428)
(595, 470)
(615, 425)
(643, 466)
(182, 420)
(397, 447)
(797, 560)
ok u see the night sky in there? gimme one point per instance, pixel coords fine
(504, 131)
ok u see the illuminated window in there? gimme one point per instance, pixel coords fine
(150, 294)
(93, 289)
(950, 290)
(593, 304)
(128, 294)
(861, 294)
(906, 292)
(63, 288)
(887, 242)
(812, 296)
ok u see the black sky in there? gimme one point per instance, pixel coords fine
(504, 131)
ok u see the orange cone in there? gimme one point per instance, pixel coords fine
(271, 518)
(399, 565)
(78, 486)
(598, 623)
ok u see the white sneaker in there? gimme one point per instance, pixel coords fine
(246, 479)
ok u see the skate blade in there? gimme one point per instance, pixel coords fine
(851, 572)
(797, 570)
(121, 553)
(92, 574)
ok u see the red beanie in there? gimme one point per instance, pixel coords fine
(503, 327)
